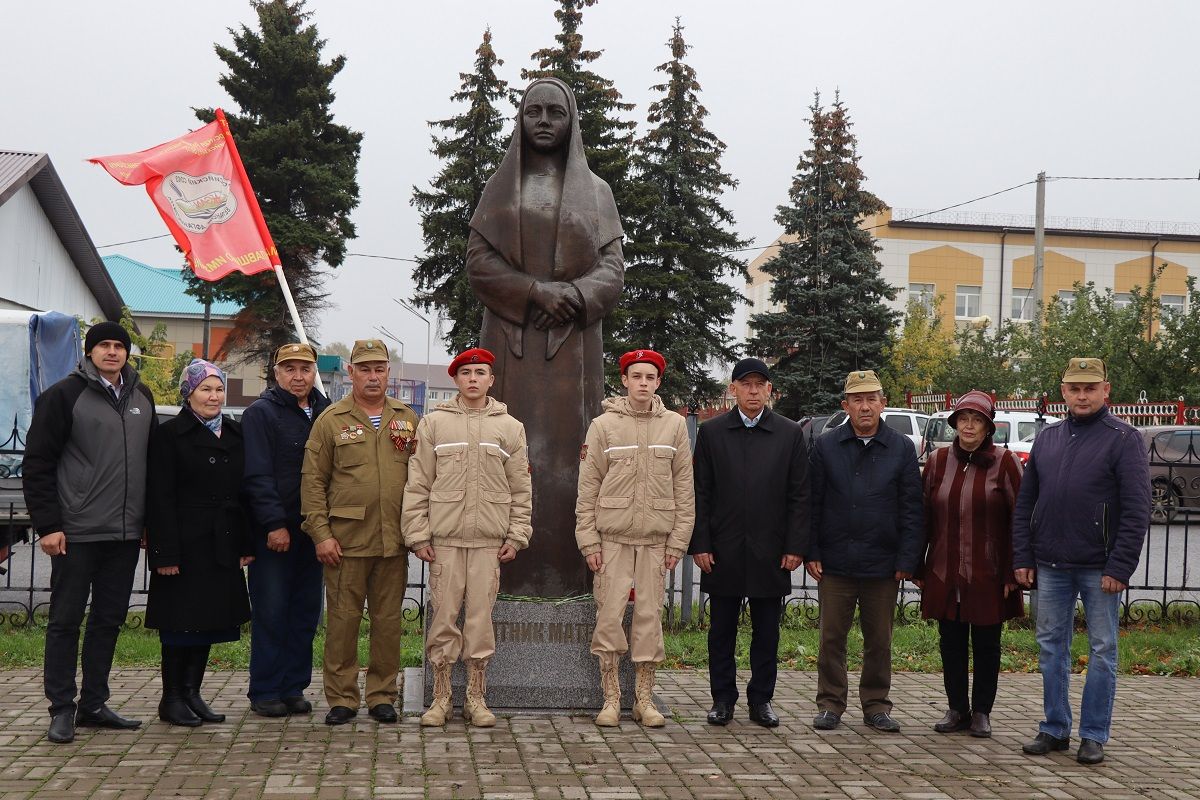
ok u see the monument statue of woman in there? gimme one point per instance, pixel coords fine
(544, 257)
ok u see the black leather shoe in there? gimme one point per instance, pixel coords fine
(981, 725)
(383, 712)
(952, 721)
(297, 705)
(62, 727)
(105, 717)
(340, 715)
(174, 711)
(1090, 752)
(720, 713)
(882, 721)
(826, 721)
(1043, 743)
(764, 715)
(269, 708)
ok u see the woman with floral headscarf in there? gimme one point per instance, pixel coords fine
(198, 541)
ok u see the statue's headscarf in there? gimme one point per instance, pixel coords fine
(587, 217)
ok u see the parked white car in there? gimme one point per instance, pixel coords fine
(1015, 430)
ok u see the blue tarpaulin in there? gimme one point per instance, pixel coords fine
(36, 350)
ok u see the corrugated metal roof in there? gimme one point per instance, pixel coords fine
(155, 290)
(19, 168)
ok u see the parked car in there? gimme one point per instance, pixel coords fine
(1015, 430)
(907, 421)
(811, 427)
(1174, 470)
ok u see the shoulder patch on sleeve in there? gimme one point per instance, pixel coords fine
(583, 452)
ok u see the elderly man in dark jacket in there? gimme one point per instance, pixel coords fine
(868, 535)
(751, 474)
(285, 578)
(1081, 518)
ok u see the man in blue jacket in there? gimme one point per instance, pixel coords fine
(1081, 518)
(868, 534)
(285, 576)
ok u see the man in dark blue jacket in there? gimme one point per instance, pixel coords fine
(1081, 518)
(285, 577)
(868, 534)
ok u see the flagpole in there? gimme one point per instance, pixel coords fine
(268, 241)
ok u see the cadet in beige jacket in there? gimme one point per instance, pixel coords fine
(467, 509)
(634, 521)
(355, 466)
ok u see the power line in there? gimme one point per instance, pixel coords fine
(956, 205)
(132, 241)
(385, 258)
(1113, 178)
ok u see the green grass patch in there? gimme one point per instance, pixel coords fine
(1170, 648)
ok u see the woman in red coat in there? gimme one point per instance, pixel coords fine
(967, 581)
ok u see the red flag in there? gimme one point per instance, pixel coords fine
(200, 188)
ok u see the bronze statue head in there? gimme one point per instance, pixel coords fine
(546, 117)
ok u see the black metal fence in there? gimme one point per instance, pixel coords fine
(1164, 586)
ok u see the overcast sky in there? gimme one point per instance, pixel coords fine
(950, 100)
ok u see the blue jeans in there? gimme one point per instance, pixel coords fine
(1057, 593)
(285, 601)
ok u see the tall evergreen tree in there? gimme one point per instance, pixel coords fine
(302, 165)
(607, 139)
(827, 292)
(470, 154)
(675, 301)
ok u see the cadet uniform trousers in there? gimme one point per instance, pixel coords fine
(627, 566)
(458, 574)
(381, 582)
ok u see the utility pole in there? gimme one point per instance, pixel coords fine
(1039, 242)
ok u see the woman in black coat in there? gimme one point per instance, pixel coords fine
(197, 541)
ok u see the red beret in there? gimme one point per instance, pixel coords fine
(476, 355)
(643, 356)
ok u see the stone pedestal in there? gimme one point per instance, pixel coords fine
(542, 660)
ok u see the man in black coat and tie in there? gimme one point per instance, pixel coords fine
(752, 522)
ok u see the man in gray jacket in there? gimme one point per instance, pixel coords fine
(85, 486)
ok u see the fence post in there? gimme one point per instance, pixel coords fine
(949, 402)
(686, 575)
(1179, 416)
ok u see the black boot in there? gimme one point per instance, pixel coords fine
(173, 708)
(193, 676)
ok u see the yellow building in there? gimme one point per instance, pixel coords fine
(981, 264)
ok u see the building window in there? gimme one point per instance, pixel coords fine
(1067, 298)
(1122, 300)
(1172, 303)
(966, 302)
(1022, 304)
(922, 295)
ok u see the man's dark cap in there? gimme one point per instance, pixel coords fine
(749, 365)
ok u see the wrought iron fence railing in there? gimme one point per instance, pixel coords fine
(1165, 585)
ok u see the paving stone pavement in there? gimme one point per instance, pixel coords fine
(1153, 753)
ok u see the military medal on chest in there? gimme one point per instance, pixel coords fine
(345, 433)
(402, 434)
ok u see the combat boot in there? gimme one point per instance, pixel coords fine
(610, 682)
(475, 709)
(643, 704)
(441, 708)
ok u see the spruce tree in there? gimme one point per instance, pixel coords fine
(470, 154)
(607, 139)
(302, 165)
(675, 300)
(828, 294)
